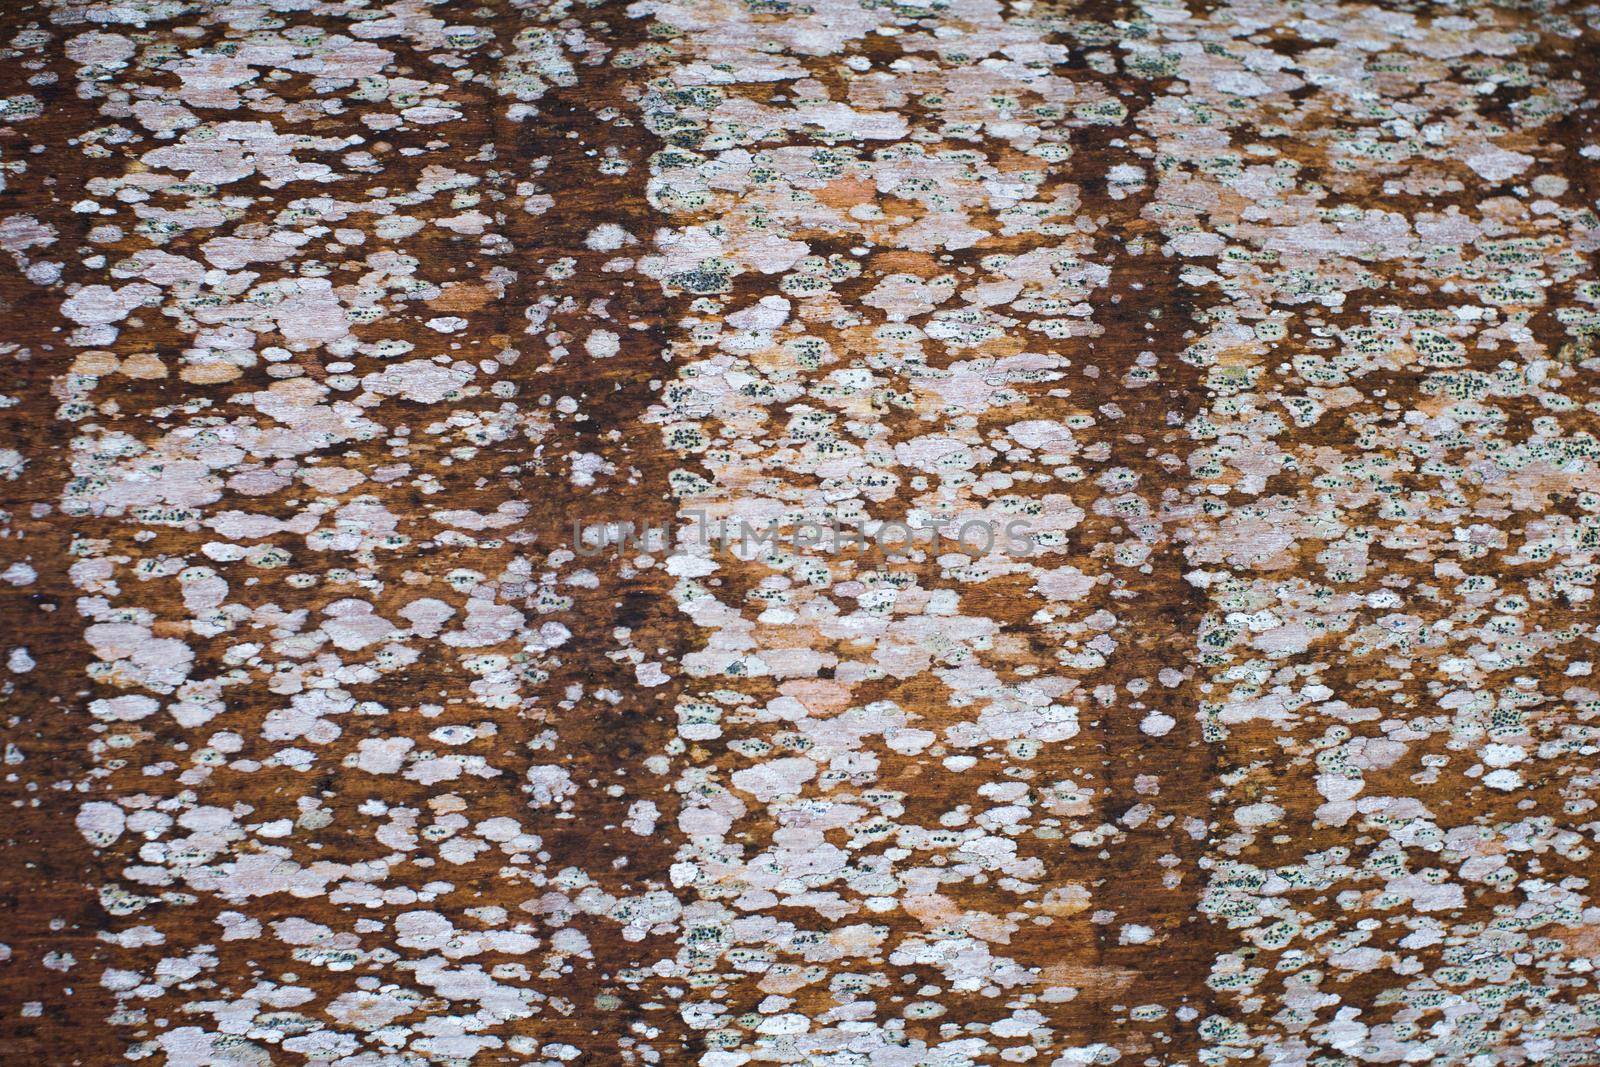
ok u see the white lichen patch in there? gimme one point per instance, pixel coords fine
(824, 533)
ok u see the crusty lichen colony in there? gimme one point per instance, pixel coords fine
(342, 335)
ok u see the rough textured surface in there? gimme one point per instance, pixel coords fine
(1115, 498)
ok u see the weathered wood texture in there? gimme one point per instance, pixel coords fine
(1116, 511)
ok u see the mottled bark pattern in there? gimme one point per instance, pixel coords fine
(849, 532)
